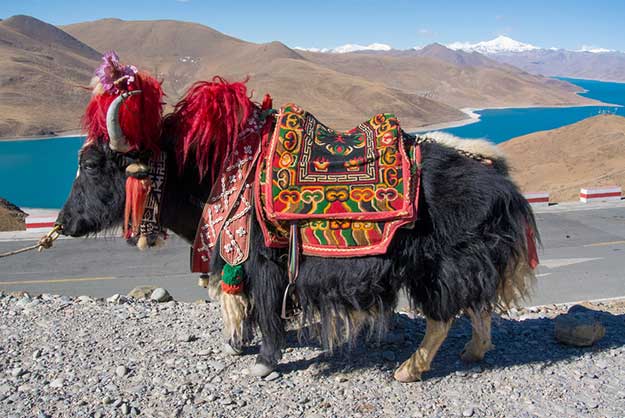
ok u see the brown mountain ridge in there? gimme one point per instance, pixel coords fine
(45, 67)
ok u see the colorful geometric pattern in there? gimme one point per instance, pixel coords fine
(357, 227)
(318, 173)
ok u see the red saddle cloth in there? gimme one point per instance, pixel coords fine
(348, 192)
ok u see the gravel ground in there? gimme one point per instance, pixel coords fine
(66, 357)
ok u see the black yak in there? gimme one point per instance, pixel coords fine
(471, 249)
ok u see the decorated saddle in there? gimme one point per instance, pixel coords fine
(347, 192)
(315, 190)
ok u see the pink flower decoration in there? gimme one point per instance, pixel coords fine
(114, 76)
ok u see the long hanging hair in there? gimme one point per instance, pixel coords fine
(208, 120)
(140, 117)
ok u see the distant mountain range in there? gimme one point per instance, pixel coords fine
(588, 62)
(44, 70)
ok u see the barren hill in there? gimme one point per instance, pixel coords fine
(561, 161)
(456, 78)
(42, 67)
(183, 52)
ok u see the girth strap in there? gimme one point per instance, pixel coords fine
(293, 266)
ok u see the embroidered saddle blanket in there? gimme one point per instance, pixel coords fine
(314, 172)
(348, 192)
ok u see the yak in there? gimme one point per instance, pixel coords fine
(471, 249)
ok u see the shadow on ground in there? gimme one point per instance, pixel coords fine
(517, 343)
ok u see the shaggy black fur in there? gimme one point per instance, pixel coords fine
(471, 228)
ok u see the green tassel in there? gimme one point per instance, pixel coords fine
(232, 275)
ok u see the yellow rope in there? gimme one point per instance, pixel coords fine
(44, 243)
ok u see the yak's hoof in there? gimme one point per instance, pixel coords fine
(473, 354)
(231, 350)
(405, 375)
(261, 369)
(469, 356)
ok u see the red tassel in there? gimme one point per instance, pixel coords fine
(137, 192)
(531, 248)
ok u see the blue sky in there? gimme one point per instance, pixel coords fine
(401, 23)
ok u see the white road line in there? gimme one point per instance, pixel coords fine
(563, 262)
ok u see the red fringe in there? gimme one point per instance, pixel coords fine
(137, 192)
(208, 119)
(230, 289)
(140, 116)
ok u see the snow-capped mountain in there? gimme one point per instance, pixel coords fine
(501, 44)
(349, 48)
(594, 50)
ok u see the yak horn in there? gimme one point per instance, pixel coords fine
(117, 140)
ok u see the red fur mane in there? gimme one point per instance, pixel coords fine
(208, 120)
(140, 116)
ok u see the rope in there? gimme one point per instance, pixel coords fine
(44, 243)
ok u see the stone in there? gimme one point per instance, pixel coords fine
(121, 371)
(388, 356)
(160, 295)
(106, 400)
(5, 389)
(18, 371)
(57, 383)
(272, 376)
(186, 338)
(116, 299)
(85, 299)
(125, 409)
(579, 328)
(141, 292)
(468, 412)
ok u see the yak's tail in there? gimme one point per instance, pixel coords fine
(519, 279)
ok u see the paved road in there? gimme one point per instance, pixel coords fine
(583, 258)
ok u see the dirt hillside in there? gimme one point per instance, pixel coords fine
(561, 161)
(11, 217)
(42, 69)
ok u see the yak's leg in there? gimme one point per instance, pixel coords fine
(480, 341)
(419, 362)
(234, 309)
(266, 293)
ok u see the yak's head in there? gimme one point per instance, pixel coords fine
(123, 125)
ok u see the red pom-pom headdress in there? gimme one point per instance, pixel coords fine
(140, 115)
(208, 120)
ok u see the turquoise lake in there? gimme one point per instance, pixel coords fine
(499, 125)
(39, 173)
